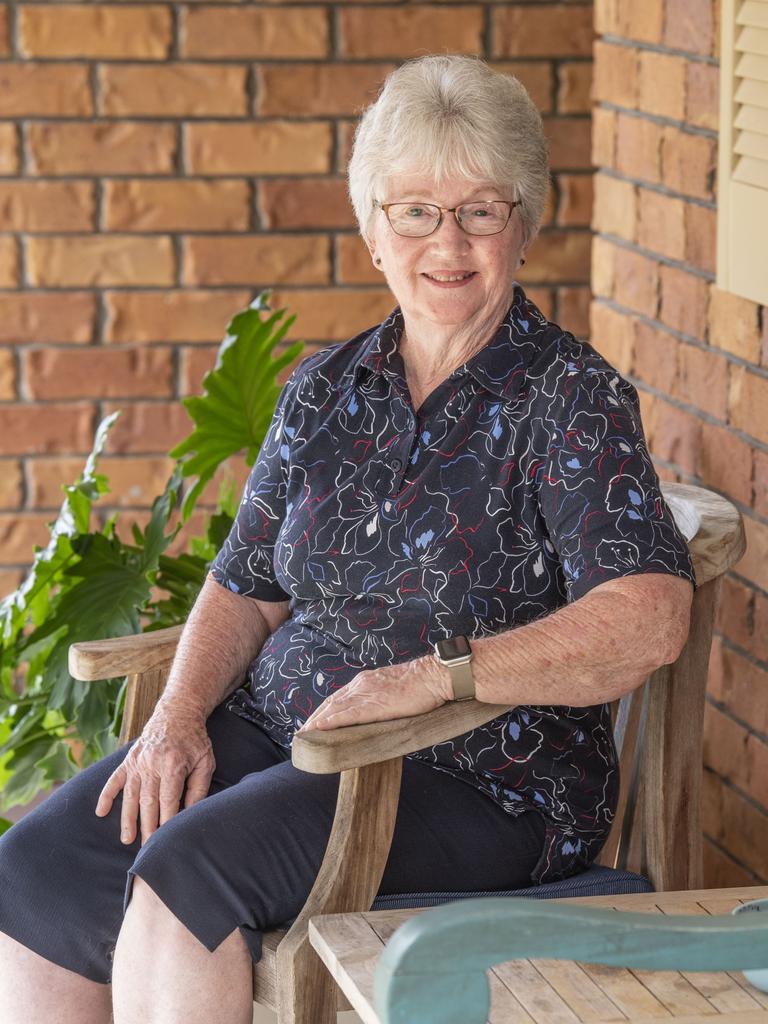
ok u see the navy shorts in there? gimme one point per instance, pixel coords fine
(244, 857)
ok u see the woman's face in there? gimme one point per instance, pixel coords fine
(411, 264)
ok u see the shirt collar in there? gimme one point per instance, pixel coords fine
(499, 366)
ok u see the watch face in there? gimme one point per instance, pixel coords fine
(454, 647)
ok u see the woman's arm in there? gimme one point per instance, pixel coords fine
(591, 651)
(223, 634)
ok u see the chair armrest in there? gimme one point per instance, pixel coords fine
(123, 655)
(352, 746)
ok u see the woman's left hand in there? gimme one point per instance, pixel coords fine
(380, 694)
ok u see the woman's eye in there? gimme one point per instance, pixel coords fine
(415, 211)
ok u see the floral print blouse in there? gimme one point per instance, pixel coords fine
(521, 482)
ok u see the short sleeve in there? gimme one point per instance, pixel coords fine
(600, 494)
(245, 563)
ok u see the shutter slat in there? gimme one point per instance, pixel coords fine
(749, 91)
(752, 65)
(754, 13)
(751, 172)
(754, 119)
(752, 144)
(753, 40)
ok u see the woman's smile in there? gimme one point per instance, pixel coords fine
(451, 278)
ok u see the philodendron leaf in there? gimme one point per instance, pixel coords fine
(109, 589)
(29, 603)
(240, 395)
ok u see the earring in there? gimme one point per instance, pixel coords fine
(377, 261)
(522, 262)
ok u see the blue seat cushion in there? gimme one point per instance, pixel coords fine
(595, 881)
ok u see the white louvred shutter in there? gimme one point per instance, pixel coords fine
(743, 165)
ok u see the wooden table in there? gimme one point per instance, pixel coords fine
(558, 991)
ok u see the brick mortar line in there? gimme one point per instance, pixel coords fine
(276, 233)
(334, 32)
(666, 261)
(94, 82)
(176, 32)
(666, 122)
(723, 709)
(13, 32)
(756, 662)
(488, 32)
(650, 186)
(351, 61)
(724, 850)
(252, 89)
(638, 44)
(740, 792)
(218, 120)
(688, 339)
(745, 510)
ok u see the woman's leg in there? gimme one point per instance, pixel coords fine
(34, 989)
(62, 887)
(164, 975)
(245, 859)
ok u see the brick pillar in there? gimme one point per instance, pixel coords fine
(698, 356)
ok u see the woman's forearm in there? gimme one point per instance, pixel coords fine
(222, 636)
(591, 651)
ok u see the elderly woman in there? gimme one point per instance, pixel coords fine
(456, 502)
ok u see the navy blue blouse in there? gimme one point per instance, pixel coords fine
(521, 482)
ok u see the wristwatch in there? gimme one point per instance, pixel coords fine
(456, 654)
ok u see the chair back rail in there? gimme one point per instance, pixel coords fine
(659, 726)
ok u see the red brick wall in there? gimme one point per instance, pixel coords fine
(160, 162)
(699, 357)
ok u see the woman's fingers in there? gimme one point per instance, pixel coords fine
(130, 810)
(198, 782)
(114, 784)
(149, 809)
(171, 787)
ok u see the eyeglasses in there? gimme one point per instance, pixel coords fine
(415, 220)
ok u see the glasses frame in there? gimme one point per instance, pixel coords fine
(449, 209)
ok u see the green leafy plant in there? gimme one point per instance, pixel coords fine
(88, 583)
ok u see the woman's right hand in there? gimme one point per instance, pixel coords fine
(173, 750)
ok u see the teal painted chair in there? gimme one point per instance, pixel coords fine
(432, 970)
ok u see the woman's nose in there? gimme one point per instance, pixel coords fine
(449, 232)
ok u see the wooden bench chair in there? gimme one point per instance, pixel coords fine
(639, 958)
(658, 731)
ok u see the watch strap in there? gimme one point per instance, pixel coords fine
(462, 680)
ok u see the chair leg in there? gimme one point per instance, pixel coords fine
(348, 881)
(672, 768)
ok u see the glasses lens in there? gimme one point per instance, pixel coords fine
(484, 218)
(413, 218)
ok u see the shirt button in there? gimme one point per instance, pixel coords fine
(396, 464)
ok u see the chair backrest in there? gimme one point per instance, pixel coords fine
(658, 727)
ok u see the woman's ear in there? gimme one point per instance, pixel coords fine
(372, 250)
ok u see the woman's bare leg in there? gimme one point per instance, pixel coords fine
(163, 975)
(34, 989)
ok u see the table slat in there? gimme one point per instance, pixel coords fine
(579, 991)
(623, 988)
(538, 997)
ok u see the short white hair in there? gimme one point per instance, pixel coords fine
(451, 116)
